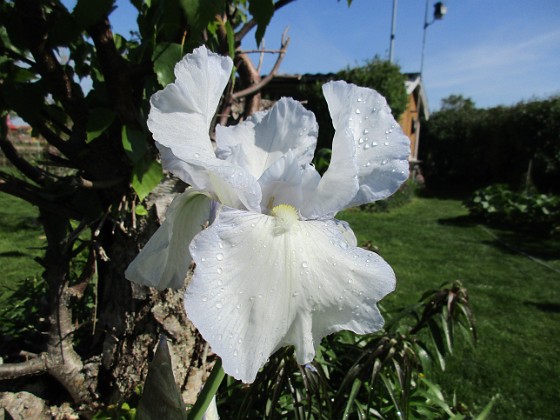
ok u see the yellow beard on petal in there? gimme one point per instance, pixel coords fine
(285, 215)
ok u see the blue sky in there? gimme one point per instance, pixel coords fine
(496, 52)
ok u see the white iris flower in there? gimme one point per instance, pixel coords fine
(274, 268)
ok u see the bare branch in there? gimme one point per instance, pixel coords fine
(263, 82)
(35, 366)
(21, 189)
(20, 163)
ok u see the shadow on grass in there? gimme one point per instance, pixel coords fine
(536, 243)
(27, 223)
(544, 306)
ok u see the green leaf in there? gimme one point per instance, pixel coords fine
(262, 11)
(230, 39)
(134, 143)
(140, 210)
(99, 120)
(146, 174)
(161, 397)
(201, 12)
(165, 56)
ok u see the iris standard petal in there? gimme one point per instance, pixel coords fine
(382, 149)
(181, 113)
(165, 259)
(266, 136)
(262, 282)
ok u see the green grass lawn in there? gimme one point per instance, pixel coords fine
(20, 243)
(516, 300)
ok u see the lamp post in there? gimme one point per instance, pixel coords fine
(440, 10)
(393, 29)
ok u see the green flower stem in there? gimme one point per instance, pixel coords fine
(210, 388)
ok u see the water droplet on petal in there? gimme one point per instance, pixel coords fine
(361, 140)
(252, 225)
(305, 264)
(197, 155)
(235, 353)
(349, 281)
(219, 305)
(359, 99)
(358, 111)
(366, 146)
(295, 294)
(367, 164)
(238, 306)
(219, 270)
(373, 143)
(220, 256)
(386, 143)
(204, 299)
(384, 162)
(252, 298)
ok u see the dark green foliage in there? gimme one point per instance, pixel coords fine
(466, 147)
(383, 375)
(499, 205)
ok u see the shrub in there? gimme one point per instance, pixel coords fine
(498, 204)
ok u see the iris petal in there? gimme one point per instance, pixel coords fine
(165, 259)
(257, 288)
(381, 148)
(267, 136)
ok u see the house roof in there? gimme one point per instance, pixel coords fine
(414, 83)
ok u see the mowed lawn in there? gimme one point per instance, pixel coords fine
(21, 241)
(513, 281)
(514, 284)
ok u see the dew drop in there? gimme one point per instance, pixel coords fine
(238, 306)
(361, 140)
(349, 281)
(220, 283)
(359, 99)
(358, 111)
(384, 162)
(235, 353)
(386, 143)
(366, 131)
(221, 245)
(252, 298)
(305, 264)
(204, 299)
(366, 146)
(260, 296)
(373, 143)
(219, 305)
(295, 294)
(203, 259)
(252, 225)
(197, 155)
(220, 337)
(367, 164)
(220, 256)
(219, 270)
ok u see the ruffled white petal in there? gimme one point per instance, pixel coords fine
(266, 136)
(165, 259)
(180, 119)
(381, 148)
(261, 284)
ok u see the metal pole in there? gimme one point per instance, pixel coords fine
(393, 29)
(426, 24)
